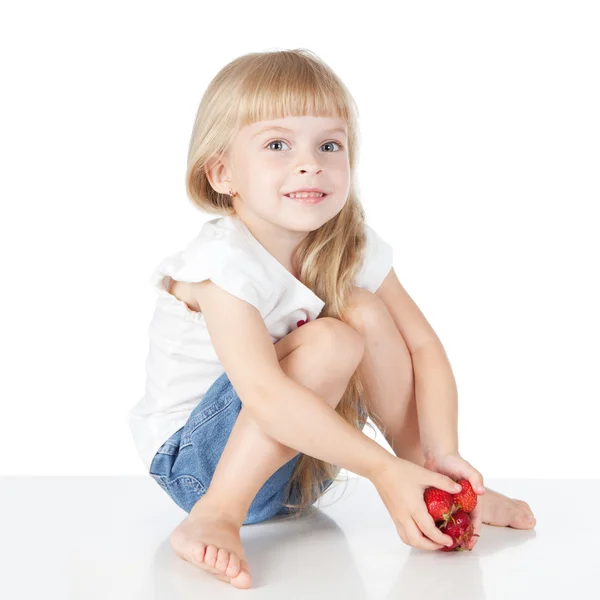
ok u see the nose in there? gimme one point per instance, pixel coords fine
(309, 162)
(310, 169)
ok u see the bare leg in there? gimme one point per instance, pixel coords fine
(389, 391)
(234, 471)
(209, 537)
(387, 370)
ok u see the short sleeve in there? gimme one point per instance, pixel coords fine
(223, 260)
(378, 260)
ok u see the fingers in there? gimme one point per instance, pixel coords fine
(477, 482)
(480, 487)
(476, 479)
(442, 482)
(411, 534)
(476, 518)
(427, 527)
(456, 465)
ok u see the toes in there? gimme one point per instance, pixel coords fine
(523, 503)
(530, 520)
(197, 554)
(222, 560)
(210, 557)
(526, 511)
(244, 579)
(234, 565)
(521, 520)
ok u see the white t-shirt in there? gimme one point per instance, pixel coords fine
(181, 363)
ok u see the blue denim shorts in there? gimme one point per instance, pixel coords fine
(184, 465)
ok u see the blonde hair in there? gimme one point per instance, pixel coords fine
(270, 85)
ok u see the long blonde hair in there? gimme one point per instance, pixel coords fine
(269, 85)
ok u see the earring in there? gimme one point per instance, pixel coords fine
(230, 193)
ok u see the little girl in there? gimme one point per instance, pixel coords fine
(282, 326)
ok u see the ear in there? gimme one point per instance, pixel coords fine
(219, 176)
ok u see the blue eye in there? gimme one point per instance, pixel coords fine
(325, 143)
(332, 142)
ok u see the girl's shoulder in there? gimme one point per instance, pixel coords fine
(378, 259)
(221, 254)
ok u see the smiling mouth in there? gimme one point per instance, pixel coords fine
(309, 199)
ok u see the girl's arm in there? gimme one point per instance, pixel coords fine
(435, 387)
(437, 400)
(286, 410)
(295, 416)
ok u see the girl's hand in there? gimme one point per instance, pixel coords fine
(401, 485)
(454, 465)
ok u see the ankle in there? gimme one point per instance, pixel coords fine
(219, 507)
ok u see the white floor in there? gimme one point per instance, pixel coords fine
(106, 538)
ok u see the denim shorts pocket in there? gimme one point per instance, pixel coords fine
(160, 479)
(185, 490)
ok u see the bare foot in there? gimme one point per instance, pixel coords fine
(211, 540)
(502, 511)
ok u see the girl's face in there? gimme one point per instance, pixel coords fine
(268, 163)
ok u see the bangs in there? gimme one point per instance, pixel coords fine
(289, 88)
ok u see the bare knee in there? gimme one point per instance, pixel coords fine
(339, 344)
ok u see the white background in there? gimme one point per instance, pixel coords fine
(479, 164)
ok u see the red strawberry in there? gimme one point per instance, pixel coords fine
(467, 498)
(439, 503)
(451, 548)
(460, 529)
